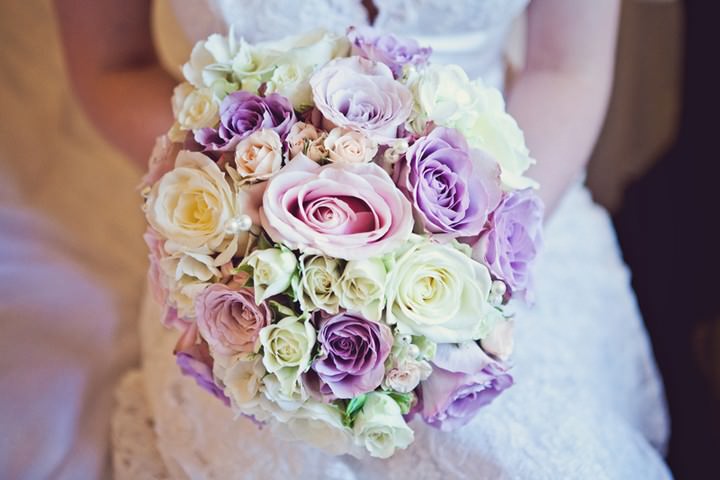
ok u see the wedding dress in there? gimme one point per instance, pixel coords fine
(587, 403)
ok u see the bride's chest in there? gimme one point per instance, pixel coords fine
(260, 20)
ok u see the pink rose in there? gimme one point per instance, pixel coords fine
(362, 95)
(162, 160)
(350, 212)
(229, 320)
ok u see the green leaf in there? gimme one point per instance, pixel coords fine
(404, 400)
(353, 408)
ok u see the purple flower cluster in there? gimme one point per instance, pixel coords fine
(395, 52)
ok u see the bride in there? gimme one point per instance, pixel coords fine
(587, 402)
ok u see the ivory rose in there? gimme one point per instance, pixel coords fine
(259, 156)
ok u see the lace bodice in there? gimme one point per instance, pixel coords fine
(471, 33)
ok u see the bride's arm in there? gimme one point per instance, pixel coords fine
(561, 96)
(115, 72)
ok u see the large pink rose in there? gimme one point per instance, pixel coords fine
(362, 95)
(229, 320)
(350, 212)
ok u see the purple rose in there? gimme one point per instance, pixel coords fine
(464, 379)
(513, 239)
(229, 320)
(395, 52)
(361, 95)
(241, 114)
(354, 356)
(452, 188)
(195, 361)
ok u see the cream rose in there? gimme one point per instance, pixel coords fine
(273, 269)
(380, 426)
(286, 390)
(243, 382)
(436, 291)
(194, 108)
(211, 60)
(187, 274)
(317, 286)
(362, 287)
(348, 146)
(259, 156)
(287, 345)
(195, 208)
(306, 139)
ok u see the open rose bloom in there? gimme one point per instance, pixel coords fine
(337, 228)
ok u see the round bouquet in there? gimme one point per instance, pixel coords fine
(337, 225)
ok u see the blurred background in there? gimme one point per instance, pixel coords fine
(652, 170)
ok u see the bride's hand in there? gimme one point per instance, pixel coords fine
(561, 96)
(115, 72)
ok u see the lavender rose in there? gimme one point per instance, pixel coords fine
(464, 379)
(241, 114)
(229, 320)
(195, 361)
(350, 212)
(361, 95)
(452, 188)
(395, 52)
(513, 239)
(354, 356)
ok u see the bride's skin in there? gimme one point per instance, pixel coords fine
(559, 98)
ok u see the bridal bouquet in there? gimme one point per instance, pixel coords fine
(337, 226)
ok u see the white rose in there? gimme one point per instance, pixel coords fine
(288, 345)
(252, 61)
(320, 425)
(273, 269)
(306, 139)
(194, 108)
(362, 287)
(299, 56)
(436, 291)
(500, 340)
(443, 93)
(380, 426)
(192, 205)
(292, 81)
(348, 146)
(243, 382)
(317, 286)
(187, 275)
(286, 389)
(210, 60)
(489, 127)
(259, 156)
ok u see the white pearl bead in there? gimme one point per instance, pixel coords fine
(498, 288)
(243, 223)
